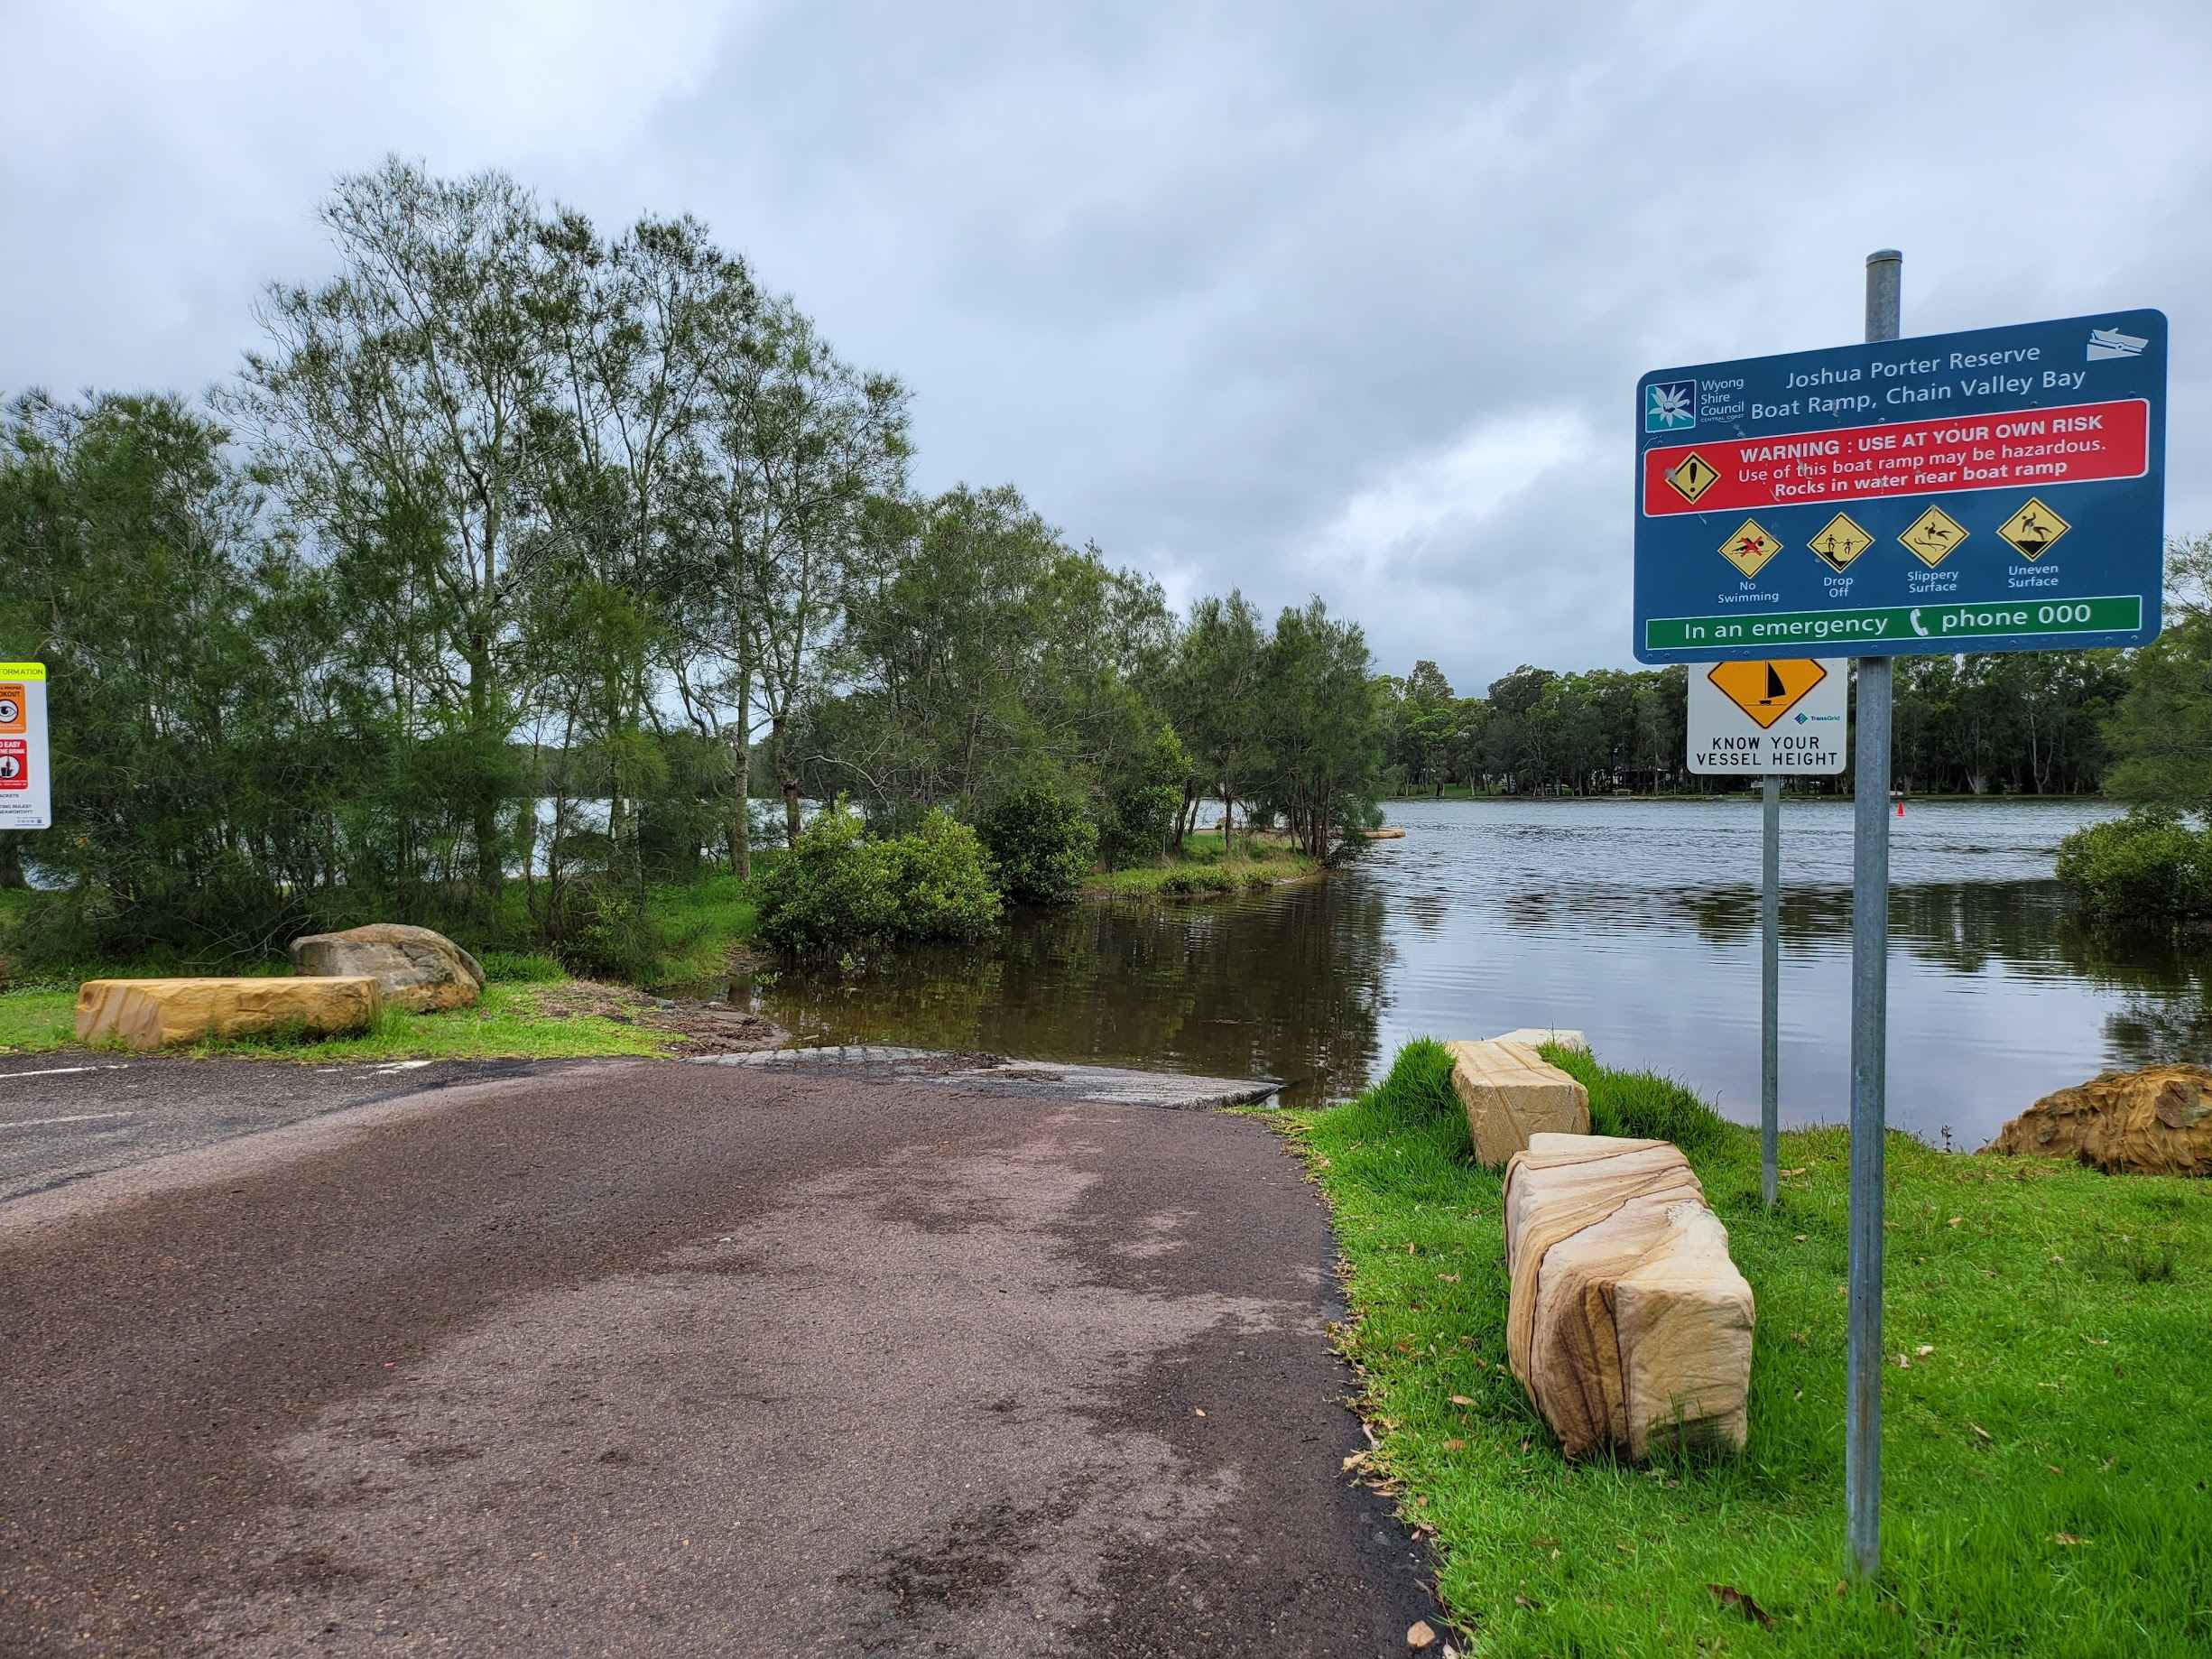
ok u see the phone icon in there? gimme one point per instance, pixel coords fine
(1915, 620)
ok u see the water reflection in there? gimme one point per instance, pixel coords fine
(1288, 985)
(1636, 922)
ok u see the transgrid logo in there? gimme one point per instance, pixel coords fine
(1669, 405)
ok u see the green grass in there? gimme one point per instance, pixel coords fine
(34, 1021)
(2062, 1397)
(1205, 868)
(507, 1022)
(707, 922)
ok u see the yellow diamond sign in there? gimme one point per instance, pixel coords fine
(1750, 548)
(1839, 541)
(1935, 536)
(1691, 476)
(1766, 690)
(2032, 529)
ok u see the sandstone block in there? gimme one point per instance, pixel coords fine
(418, 970)
(2157, 1121)
(1536, 1036)
(1629, 1324)
(147, 1014)
(1509, 1093)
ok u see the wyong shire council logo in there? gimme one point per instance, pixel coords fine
(1669, 405)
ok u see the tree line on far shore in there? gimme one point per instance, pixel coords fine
(2136, 725)
(520, 559)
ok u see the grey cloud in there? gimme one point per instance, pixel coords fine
(1199, 279)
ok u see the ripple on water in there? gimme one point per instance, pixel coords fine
(1636, 922)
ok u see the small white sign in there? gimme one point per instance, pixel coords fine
(26, 775)
(1786, 715)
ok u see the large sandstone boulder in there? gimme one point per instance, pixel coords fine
(1629, 1324)
(420, 970)
(148, 1013)
(1536, 1036)
(2157, 1121)
(1511, 1092)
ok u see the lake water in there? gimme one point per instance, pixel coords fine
(1634, 921)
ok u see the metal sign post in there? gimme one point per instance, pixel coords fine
(1769, 987)
(1774, 717)
(1870, 996)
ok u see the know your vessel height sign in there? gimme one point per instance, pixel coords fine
(2001, 489)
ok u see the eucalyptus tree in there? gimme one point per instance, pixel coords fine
(1321, 728)
(801, 450)
(1214, 694)
(408, 412)
(644, 325)
(189, 809)
(983, 657)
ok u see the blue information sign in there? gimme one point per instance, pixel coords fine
(1997, 490)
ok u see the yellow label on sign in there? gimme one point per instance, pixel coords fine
(1750, 548)
(2033, 528)
(1691, 476)
(1766, 690)
(1840, 542)
(1935, 536)
(23, 671)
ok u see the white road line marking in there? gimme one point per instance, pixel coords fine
(38, 1123)
(57, 1071)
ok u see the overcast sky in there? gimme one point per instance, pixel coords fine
(1348, 299)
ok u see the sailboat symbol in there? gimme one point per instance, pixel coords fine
(1774, 687)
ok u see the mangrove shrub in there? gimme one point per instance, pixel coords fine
(1044, 845)
(2152, 866)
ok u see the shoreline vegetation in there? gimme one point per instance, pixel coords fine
(534, 1008)
(1252, 862)
(1738, 790)
(2044, 1328)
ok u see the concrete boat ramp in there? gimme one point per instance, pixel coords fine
(813, 1352)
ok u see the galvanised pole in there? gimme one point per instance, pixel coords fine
(1770, 986)
(1870, 930)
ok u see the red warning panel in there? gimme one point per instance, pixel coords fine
(14, 763)
(2081, 443)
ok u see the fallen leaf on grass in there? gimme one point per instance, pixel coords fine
(2067, 1539)
(1924, 1350)
(1460, 1399)
(2054, 1468)
(1954, 1222)
(1454, 1445)
(1409, 1246)
(1731, 1597)
(1358, 1459)
(1800, 1237)
(1802, 1339)
(1981, 1432)
(2098, 1341)
(1447, 1278)
(1522, 1601)
(1418, 1634)
(1904, 1362)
